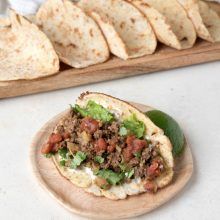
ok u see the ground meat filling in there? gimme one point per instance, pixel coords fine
(96, 138)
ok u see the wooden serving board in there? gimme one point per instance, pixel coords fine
(77, 201)
(164, 58)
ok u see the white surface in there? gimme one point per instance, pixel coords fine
(191, 95)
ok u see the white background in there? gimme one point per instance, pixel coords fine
(191, 95)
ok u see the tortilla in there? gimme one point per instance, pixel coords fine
(159, 24)
(4, 22)
(215, 6)
(177, 17)
(131, 25)
(25, 51)
(210, 19)
(76, 37)
(192, 9)
(115, 43)
(122, 110)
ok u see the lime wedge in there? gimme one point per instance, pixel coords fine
(171, 129)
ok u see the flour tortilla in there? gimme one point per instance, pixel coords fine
(192, 9)
(177, 18)
(215, 6)
(76, 37)
(211, 20)
(130, 24)
(25, 51)
(4, 22)
(122, 110)
(115, 43)
(159, 24)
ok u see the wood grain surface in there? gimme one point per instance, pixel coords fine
(77, 201)
(164, 58)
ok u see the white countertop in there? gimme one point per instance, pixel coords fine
(191, 95)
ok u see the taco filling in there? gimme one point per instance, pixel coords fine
(115, 150)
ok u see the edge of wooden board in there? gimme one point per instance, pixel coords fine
(165, 58)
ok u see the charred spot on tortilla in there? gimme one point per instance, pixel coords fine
(110, 148)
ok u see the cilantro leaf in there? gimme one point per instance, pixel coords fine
(129, 173)
(95, 111)
(49, 155)
(63, 152)
(62, 163)
(134, 126)
(99, 159)
(78, 159)
(137, 154)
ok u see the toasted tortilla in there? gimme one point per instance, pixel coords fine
(192, 9)
(130, 24)
(211, 20)
(122, 110)
(4, 22)
(215, 6)
(115, 43)
(178, 20)
(25, 51)
(76, 37)
(159, 24)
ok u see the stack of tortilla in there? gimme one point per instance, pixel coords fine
(86, 32)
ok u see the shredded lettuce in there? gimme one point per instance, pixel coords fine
(95, 111)
(133, 126)
(111, 177)
(99, 159)
(63, 152)
(78, 159)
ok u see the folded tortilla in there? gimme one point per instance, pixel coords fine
(25, 51)
(215, 6)
(159, 23)
(205, 20)
(76, 37)
(130, 24)
(178, 20)
(122, 110)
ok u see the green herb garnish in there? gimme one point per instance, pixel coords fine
(78, 159)
(95, 111)
(62, 163)
(134, 126)
(138, 154)
(49, 155)
(129, 174)
(63, 152)
(99, 159)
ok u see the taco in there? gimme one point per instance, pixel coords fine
(109, 148)
(159, 23)
(76, 37)
(178, 20)
(25, 51)
(205, 20)
(130, 24)
(211, 20)
(215, 6)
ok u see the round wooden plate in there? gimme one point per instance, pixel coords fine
(85, 204)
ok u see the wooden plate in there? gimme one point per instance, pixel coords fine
(115, 68)
(82, 203)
